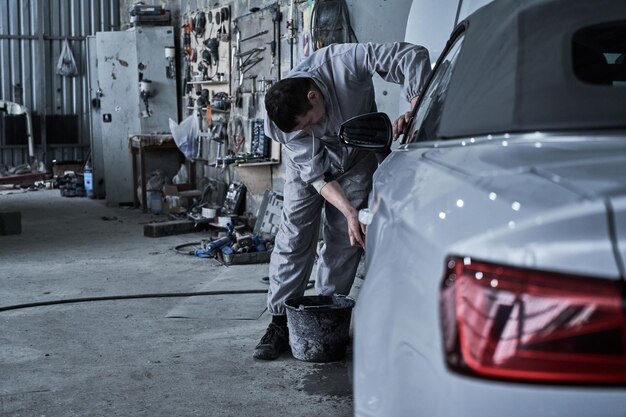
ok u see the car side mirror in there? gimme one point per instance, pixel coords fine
(370, 131)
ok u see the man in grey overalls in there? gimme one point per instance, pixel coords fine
(304, 113)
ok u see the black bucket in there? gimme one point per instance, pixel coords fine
(319, 327)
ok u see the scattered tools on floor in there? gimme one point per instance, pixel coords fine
(237, 248)
(209, 249)
(238, 245)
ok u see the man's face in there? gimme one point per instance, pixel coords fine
(314, 115)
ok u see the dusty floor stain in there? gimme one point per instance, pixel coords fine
(332, 379)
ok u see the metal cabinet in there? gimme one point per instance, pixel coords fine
(125, 59)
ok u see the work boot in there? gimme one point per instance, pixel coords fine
(274, 342)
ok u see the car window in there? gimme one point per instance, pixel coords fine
(428, 114)
(599, 54)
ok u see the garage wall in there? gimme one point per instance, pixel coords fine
(372, 21)
(31, 37)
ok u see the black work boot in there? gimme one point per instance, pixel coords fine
(274, 342)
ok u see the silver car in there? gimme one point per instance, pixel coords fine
(496, 238)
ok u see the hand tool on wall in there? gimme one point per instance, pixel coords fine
(277, 18)
(187, 29)
(238, 92)
(264, 84)
(256, 35)
(186, 75)
(272, 45)
(253, 89)
(252, 104)
(223, 30)
(237, 137)
(252, 58)
(199, 24)
(251, 63)
(212, 44)
(235, 47)
(293, 29)
(209, 115)
(251, 53)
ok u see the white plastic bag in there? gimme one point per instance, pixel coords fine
(182, 177)
(66, 67)
(185, 134)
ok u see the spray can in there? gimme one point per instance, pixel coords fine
(156, 202)
(88, 180)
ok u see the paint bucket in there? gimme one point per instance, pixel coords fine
(209, 212)
(319, 327)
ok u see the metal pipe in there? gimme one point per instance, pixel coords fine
(45, 37)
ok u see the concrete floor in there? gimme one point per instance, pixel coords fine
(142, 357)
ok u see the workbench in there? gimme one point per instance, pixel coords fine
(140, 146)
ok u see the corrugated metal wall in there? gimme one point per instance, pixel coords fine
(31, 38)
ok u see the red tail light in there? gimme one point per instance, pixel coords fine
(514, 323)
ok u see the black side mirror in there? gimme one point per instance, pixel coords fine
(370, 131)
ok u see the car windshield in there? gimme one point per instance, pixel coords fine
(428, 114)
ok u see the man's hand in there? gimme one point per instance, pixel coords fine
(356, 231)
(400, 124)
(333, 193)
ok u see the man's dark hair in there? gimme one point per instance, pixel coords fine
(286, 100)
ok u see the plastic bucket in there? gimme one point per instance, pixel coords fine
(319, 327)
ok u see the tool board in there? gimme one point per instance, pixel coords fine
(206, 40)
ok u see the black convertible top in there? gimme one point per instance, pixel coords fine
(516, 69)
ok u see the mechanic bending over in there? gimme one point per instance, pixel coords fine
(304, 113)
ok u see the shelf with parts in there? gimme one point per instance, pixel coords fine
(209, 82)
(275, 148)
(246, 164)
(212, 110)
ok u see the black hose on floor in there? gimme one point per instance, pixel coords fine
(128, 297)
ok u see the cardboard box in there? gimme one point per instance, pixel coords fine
(178, 198)
(172, 203)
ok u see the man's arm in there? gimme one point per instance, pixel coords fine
(333, 193)
(398, 62)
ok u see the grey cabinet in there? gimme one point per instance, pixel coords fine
(124, 60)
